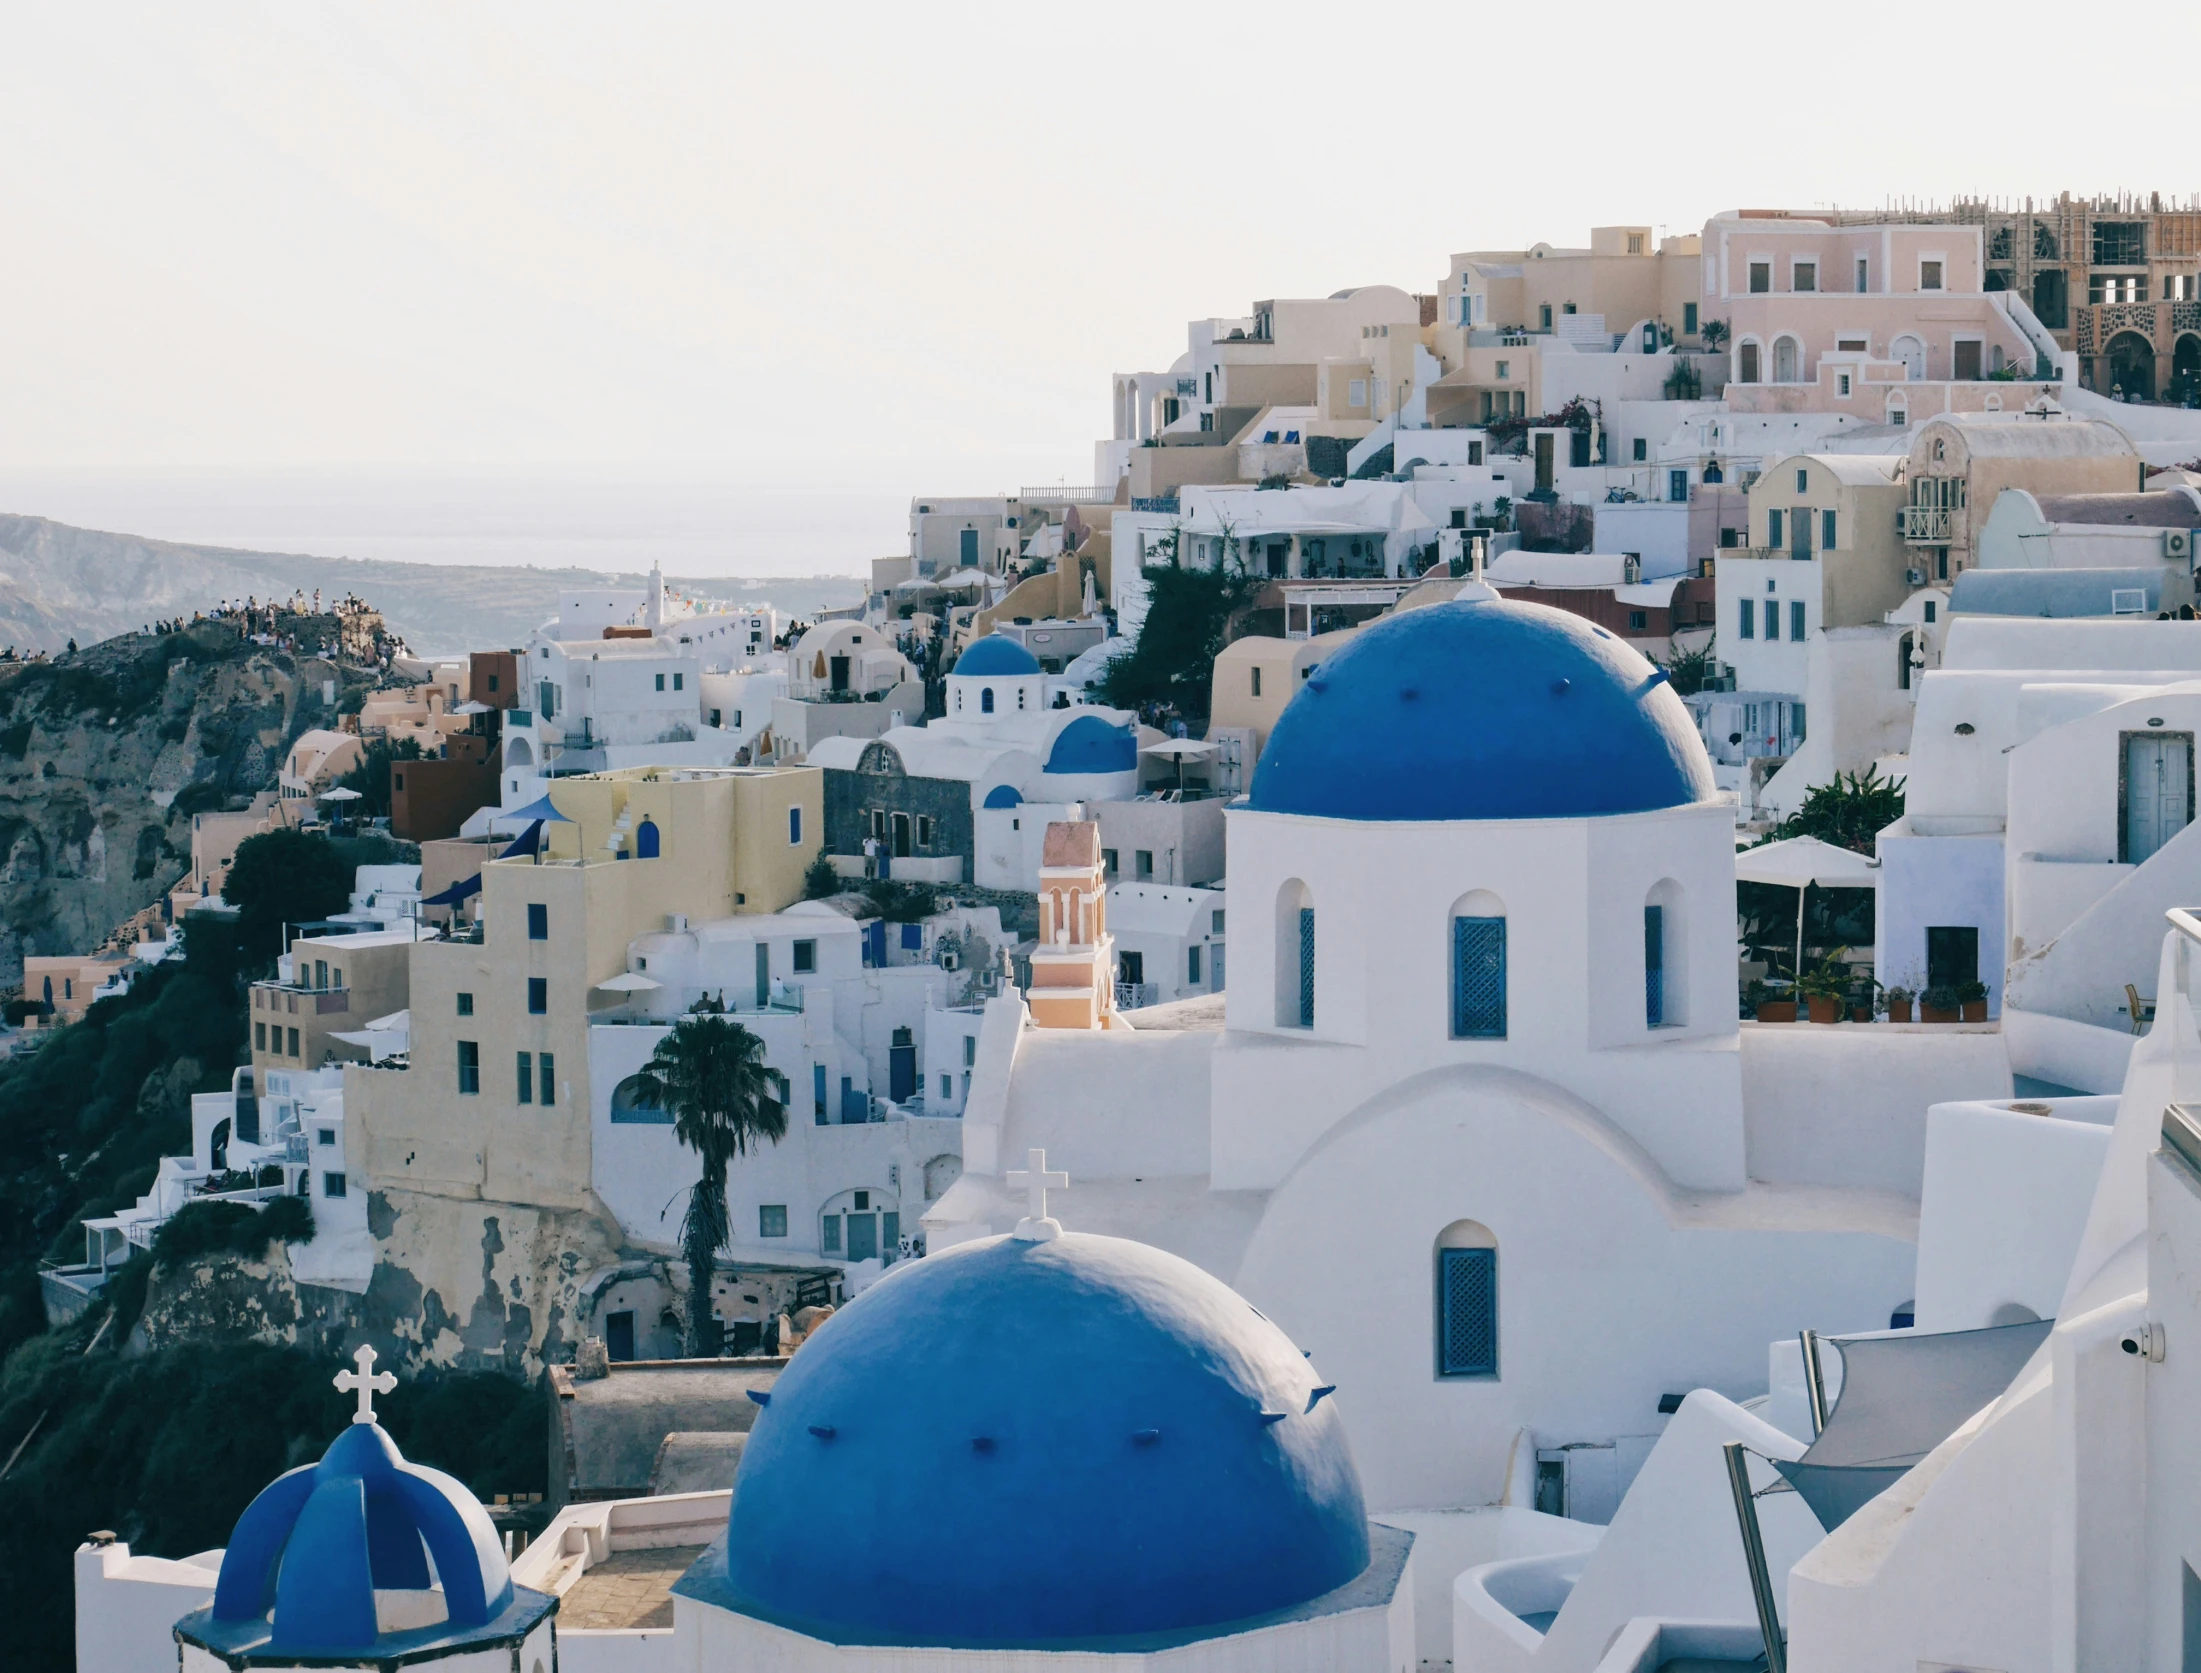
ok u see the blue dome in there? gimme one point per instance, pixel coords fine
(1482, 710)
(996, 655)
(1003, 795)
(321, 1540)
(1028, 1444)
(1090, 744)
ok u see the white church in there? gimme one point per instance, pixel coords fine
(1438, 1308)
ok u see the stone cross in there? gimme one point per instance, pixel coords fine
(365, 1380)
(1036, 1227)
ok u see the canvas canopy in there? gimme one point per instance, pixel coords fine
(1795, 861)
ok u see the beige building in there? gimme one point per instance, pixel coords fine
(1958, 465)
(495, 1104)
(67, 983)
(1254, 677)
(315, 762)
(1627, 274)
(1074, 965)
(215, 838)
(323, 987)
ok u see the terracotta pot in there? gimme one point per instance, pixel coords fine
(1825, 1007)
(1899, 1010)
(1934, 1013)
(1776, 1010)
(1975, 1010)
(1860, 1013)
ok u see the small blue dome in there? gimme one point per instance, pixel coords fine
(1090, 744)
(321, 1540)
(1032, 1444)
(1482, 710)
(1003, 795)
(996, 655)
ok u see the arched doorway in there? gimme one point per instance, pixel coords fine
(1746, 363)
(2185, 370)
(217, 1150)
(1787, 361)
(645, 840)
(1912, 352)
(2131, 367)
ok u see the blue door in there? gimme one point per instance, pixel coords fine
(645, 840)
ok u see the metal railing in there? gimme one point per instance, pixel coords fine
(1135, 996)
(1061, 494)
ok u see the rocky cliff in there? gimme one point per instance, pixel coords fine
(106, 753)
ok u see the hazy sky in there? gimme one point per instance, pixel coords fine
(899, 247)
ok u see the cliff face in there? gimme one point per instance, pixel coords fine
(106, 753)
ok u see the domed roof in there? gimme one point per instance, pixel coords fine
(1090, 744)
(1483, 709)
(321, 1540)
(996, 655)
(1019, 1443)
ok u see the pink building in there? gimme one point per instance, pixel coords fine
(1890, 323)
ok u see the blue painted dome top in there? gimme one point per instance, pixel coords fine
(1042, 1444)
(1090, 744)
(308, 1556)
(996, 655)
(1004, 795)
(1483, 709)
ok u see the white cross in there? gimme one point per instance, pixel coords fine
(1034, 1177)
(365, 1380)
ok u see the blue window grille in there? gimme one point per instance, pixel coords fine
(1306, 967)
(1467, 1312)
(1478, 978)
(1654, 967)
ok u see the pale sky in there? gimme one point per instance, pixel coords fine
(894, 247)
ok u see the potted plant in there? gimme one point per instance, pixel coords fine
(1822, 987)
(1899, 1003)
(1861, 1002)
(1971, 1000)
(1771, 1007)
(1939, 1003)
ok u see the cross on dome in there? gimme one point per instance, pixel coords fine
(366, 1382)
(1036, 1227)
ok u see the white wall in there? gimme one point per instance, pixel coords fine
(126, 1606)
(1656, 530)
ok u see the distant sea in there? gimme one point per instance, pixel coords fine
(690, 527)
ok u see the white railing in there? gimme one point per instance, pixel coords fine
(1926, 522)
(1062, 494)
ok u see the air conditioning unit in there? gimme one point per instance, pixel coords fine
(2178, 543)
(1914, 577)
(948, 960)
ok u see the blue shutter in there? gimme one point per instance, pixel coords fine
(1654, 967)
(1467, 1312)
(1478, 978)
(1306, 967)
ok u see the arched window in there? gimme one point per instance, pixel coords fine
(1903, 663)
(1787, 361)
(1467, 1301)
(645, 840)
(1479, 967)
(630, 1104)
(986, 699)
(1294, 956)
(1665, 957)
(1746, 363)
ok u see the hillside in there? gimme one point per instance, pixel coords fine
(59, 583)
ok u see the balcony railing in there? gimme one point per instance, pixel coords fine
(1061, 494)
(1926, 524)
(1135, 996)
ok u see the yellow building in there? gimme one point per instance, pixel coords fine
(1254, 677)
(495, 1104)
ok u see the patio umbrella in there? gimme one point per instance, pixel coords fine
(1799, 862)
(1181, 750)
(629, 981)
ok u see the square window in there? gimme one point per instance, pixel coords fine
(332, 1185)
(771, 1219)
(1108, 861)
(1806, 275)
(538, 996)
(1761, 277)
(538, 921)
(1929, 275)
(806, 958)
(1638, 621)
(324, 1135)
(465, 1004)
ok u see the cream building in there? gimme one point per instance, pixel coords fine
(1959, 466)
(495, 1104)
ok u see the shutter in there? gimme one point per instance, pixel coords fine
(1306, 967)
(1467, 1312)
(1478, 978)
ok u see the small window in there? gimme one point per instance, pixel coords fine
(1688, 319)
(1467, 1312)
(771, 1219)
(1108, 861)
(538, 996)
(545, 1079)
(1747, 628)
(1256, 682)
(1929, 275)
(1505, 370)
(1143, 860)
(1796, 620)
(1478, 978)
(469, 1067)
(1192, 966)
(1826, 531)
(525, 1080)
(1356, 393)
(1638, 621)
(794, 826)
(1215, 919)
(1841, 383)
(924, 830)
(947, 1087)
(1761, 277)
(806, 958)
(465, 1004)
(1642, 448)
(970, 1050)
(680, 682)
(1864, 275)
(333, 1185)
(1803, 480)
(829, 1241)
(538, 921)
(259, 1036)
(1773, 527)
(293, 1052)
(660, 682)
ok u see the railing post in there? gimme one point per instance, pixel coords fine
(1753, 1553)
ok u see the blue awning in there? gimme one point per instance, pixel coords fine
(538, 809)
(456, 893)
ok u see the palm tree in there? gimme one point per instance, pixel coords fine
(709, 1071)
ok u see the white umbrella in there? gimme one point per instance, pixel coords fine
(1797, 863)
(1181, 749)
(339, 794)
(472, 708)
(628, 981)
